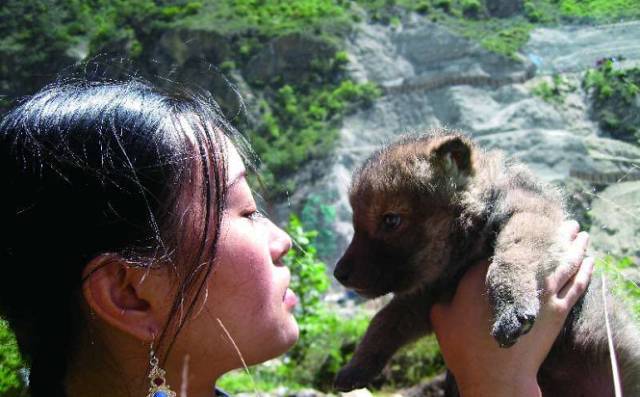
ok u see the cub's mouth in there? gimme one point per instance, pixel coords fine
(370, 292)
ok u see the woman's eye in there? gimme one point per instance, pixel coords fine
(253, 214)
(391, 221)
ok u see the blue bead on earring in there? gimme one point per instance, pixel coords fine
(158, 386)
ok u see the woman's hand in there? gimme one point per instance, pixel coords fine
(480, 366)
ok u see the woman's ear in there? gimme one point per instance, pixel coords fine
(124, 297)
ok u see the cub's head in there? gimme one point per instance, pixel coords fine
(405, 202)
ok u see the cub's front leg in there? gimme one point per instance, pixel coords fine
(403, 320)
(525, 250)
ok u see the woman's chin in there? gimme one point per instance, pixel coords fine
(291, 334)
(286, 338)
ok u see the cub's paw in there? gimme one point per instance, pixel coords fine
(355, 377)
(511, 323)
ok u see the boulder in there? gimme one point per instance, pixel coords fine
(615, 215)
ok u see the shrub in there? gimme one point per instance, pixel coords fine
(508, 40)
(423, 7)
(471, 8)
(554, 92)
(614, 93)
(444, 5)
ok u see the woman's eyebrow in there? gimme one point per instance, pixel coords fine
(237, 179)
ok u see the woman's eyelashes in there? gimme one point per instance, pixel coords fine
(252, 214)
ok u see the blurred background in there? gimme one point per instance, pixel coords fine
(317, 85)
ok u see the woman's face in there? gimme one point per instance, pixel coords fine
(247, 295)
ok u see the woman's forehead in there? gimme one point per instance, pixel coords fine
(235, 164)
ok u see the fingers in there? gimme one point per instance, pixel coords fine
(556, 281)
(570, 229)
(576, 286)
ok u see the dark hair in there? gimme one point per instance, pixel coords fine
(90, 168)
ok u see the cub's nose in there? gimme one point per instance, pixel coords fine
(342, 272)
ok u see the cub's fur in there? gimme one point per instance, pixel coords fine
(424, 210)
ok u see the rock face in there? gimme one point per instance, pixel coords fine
(192, 56)
(291, 58)
(423, 55)
(615, 214)
(574, 48)
(484, 95)
(179, 47)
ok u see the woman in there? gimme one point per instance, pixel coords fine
(135, 247)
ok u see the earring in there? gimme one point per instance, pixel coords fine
(158, 386)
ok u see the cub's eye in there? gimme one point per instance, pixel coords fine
(391, 221)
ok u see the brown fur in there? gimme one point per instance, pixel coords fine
(426, 208)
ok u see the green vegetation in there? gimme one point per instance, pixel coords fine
(555, 91)
(299, 126)
(318, 215)
(503, 35)
(590, 11)
(38, 38)
(603, 10)
(623, 287)
(10, 363)
(414, 363)
(509, 40)
(273, 17)
(615, 96)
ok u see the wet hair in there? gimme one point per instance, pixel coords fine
(95, 168)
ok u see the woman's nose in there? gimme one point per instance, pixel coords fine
(280, 243)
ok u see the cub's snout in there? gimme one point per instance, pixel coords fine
(364, 268)
(343, 270)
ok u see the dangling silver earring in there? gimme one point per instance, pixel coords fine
(158, 386)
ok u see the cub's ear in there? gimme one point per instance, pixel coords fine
(453, 154)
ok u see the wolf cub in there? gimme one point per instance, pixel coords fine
(424, 210)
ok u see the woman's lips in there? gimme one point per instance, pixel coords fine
(290, 299)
